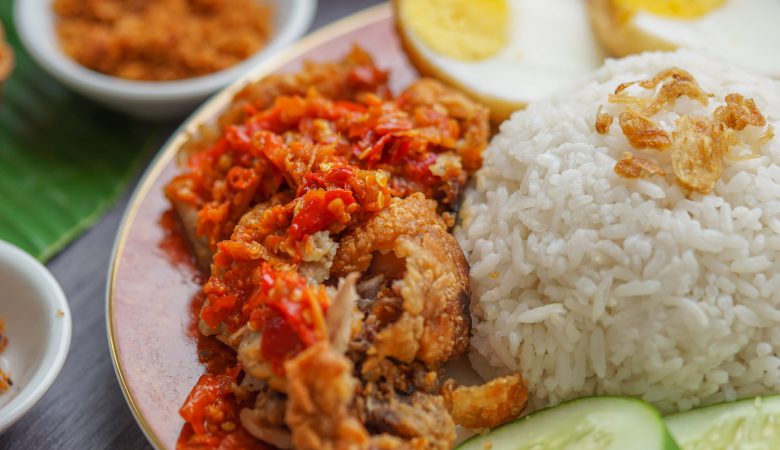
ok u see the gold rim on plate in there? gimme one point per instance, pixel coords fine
(168, 151)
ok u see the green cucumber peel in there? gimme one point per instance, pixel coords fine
(753, 424)
(591, 423)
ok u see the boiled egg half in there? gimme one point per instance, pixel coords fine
(743, 32)
(504, 53)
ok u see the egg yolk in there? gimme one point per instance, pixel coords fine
(679, 9)
(461, 29)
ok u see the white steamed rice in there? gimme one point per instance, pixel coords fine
(589, 283)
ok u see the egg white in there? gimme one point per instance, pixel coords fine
(550, 45)
(744, 32)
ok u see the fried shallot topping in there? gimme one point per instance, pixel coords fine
(695, 160)
(642, 132)
(603, 121)
(699, 144)
(673, 73)
(631, 166)
(738, 113)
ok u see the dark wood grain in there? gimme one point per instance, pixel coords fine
(85, 409)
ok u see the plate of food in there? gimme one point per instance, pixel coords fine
(337, 252)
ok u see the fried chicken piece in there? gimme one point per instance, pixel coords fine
(434, 325)
(489, 405)
(321, 389)
(434, 320)
(420, 419)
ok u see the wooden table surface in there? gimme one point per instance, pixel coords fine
(85, 409)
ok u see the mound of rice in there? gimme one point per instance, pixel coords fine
(589, 283)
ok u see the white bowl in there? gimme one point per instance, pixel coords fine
(155, 100)
(37, 323)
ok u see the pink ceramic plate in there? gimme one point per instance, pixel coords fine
(149, 291)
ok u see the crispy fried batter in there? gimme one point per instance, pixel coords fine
(410, 216)
(401, 339)
(642, 132)
(321, 390)
(630, 166)
(603, 121)
(435, 287)
(486, 406)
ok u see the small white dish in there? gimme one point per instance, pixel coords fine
(38, 326)
(152, 100)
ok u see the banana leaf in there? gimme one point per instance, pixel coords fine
(64, 160)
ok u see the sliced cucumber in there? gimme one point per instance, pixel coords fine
(746, 424)
(595, 423)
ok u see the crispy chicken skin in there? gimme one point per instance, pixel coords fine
(404, 217)
(433, 322)
(486, 406)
